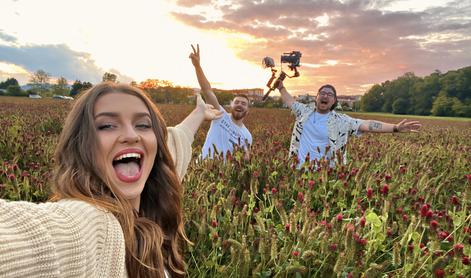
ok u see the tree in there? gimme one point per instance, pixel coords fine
(107, 76)
(346, 107)
(461, 109)
(78, 87)
(61, 87)
(442, 106)
(224, 97)
(373, 100)
(400, 106)
(398, 88)
(40, 81)
(154, 84)
(15, 90)
(424, 92)
(8, 82)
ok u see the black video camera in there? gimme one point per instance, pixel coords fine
(293, 60)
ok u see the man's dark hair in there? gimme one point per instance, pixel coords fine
(335, 94)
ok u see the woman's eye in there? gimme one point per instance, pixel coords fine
(144, 126)
(105, 126)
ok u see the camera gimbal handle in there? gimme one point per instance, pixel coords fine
(277, 82)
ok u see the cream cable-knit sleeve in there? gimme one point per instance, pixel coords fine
(179, 144)
(69, 238)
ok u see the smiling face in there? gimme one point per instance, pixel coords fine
(239, 107)
(325, 99)
(127, 145)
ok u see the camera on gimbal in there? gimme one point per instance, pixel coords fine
(293, 60)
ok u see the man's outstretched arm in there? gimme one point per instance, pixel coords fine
(206, 90)
(381, 127)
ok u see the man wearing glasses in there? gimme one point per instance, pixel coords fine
(320, 132)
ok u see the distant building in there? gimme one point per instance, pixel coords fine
(306, 99)
(254, 94)
(348, 100)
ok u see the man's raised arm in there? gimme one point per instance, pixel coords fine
(285, 96)
(206, 90)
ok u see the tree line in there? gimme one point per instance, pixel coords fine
(161, 91)
(437, 94)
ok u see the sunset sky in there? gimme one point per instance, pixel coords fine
(350, 44)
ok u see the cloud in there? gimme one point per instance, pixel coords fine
(57, 60)
(370, 43)
(191, 3)
(6, 37)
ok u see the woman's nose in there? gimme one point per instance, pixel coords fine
(129, 135)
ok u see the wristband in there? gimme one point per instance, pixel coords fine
(395, 129)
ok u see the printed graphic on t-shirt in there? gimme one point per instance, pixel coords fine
(223, 134)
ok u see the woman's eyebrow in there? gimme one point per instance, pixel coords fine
(141, 114)
(106, 114)
(116, 115)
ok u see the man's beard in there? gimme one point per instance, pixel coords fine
(238, 115)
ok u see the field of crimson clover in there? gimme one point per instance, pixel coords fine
(399, 208)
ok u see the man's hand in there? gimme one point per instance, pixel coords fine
(280, 85)
(405, 126)
(195, 55)
(210, 113)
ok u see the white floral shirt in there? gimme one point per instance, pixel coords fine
(339, 127)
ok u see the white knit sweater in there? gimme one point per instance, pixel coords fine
(70, 238)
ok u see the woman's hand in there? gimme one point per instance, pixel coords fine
(210, 113)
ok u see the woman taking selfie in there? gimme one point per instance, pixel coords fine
(116, 210)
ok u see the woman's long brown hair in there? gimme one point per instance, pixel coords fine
(153, 236)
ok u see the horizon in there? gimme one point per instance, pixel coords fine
(349, 44)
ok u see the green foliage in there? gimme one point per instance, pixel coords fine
(269, 103)
(15, 90)
(170, 94)
(39, 80)
(443, 105)
(224, 97)
(108, 76)
(400, 106)
(373, 100)
(438, 94)
(78, 87)
(60, 88)
(9, 82)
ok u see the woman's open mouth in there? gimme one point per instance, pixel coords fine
(128, 166)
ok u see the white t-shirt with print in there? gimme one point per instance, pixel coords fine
(314, 138)
(224, 134)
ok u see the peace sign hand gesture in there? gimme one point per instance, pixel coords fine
(195, 55)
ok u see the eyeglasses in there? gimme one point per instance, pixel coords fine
(326, 94)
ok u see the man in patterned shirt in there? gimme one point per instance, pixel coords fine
(320, 132)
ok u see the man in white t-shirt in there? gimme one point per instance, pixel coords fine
(228, 131)
(319, 131)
